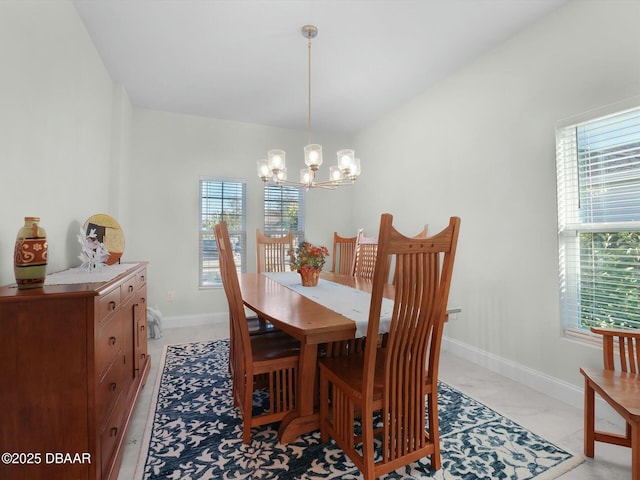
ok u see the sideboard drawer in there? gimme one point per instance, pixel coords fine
(108, 304)
(110, 436)
(141, 278)
(109, 341)
(128, 288)
(109, 389)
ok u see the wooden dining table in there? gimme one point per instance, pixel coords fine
(309, 322)
(312, 324)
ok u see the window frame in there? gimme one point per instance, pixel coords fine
(573, 269)
(235, 185)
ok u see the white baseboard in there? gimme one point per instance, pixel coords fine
(179, 321)
(541, 382)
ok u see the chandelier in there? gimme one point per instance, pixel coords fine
(273, 170)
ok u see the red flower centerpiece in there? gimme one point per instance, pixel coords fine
(308, 261)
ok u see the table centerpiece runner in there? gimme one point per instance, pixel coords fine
(347, 301)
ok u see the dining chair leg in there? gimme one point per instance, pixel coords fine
(368, 450)
(589, 420)
(635, 451)
(434, 429)
(324, 407)
(246, 434)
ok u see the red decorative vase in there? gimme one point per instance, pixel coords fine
(309, 275)
(30, 255)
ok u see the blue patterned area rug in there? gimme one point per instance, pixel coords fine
(194, 432)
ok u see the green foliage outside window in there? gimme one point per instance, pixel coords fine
(610, 279)
(290, 220)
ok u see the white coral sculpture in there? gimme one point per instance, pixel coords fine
(94, 254)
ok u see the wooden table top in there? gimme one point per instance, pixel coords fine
(297, 315)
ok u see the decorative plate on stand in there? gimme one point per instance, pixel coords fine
(108, 231)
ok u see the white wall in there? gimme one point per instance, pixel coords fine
(56, 101)
(170, 154)
(481, 145)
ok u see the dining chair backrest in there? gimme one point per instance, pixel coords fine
(364, 258)
(343, 252)
(239, 334)
(620, 349)
(421, 234)
(272, 253)
(425, 267)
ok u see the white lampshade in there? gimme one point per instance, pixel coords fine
(346, 160)
(355, 173)
(306, 176)
(276, 160)
(282, 175)
(313, 156)
(335, 174)
(263, 170)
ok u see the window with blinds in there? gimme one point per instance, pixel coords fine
(284, 211)
(598, 167)
(221, 199)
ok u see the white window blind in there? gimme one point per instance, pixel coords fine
(221, 199)
(598, 167)
(284, 211)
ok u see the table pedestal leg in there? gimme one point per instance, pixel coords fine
(303, 419)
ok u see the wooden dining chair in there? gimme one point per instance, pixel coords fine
(386, 387)
(369, 249)
(364, 256)
(343, 252)
(271, 256)
(618, 383)
(266, 362)
(364, 260)
(272, 253)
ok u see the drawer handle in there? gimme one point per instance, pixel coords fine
(142, 278)
(113, 386)
(130, 288)
(114, 431)
(112, 305)
(143, 300)
(142, 327)
(112, 340)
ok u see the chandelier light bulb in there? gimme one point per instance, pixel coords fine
(276, 160)
(263, 170)
(306, 176)
(346, 160)
(313, 156)
(335, 174)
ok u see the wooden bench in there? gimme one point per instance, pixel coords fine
(618, 383)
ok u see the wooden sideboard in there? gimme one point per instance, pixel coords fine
(73, 359)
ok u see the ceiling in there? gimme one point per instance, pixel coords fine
(246, 60)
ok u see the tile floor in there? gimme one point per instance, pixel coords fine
(550, 418)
